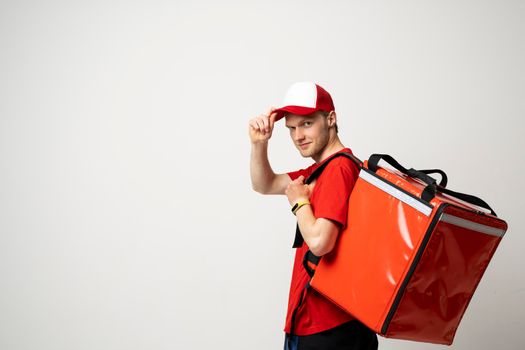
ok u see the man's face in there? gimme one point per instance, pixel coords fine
(310, 133)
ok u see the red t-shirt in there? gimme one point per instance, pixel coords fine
(329, 199)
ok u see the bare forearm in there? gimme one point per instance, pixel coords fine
(261, 172)
(319, 234)
(306, 221)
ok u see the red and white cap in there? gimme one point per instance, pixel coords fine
(305, 98)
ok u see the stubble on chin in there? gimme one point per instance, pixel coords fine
(305, 153)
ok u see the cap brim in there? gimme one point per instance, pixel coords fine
(298, 110)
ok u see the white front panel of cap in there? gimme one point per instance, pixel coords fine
(301, 94)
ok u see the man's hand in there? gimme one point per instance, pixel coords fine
(297, 190)
(261, 127)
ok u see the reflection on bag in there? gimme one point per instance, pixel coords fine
(412, 254)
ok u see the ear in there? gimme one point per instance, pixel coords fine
(332, 118)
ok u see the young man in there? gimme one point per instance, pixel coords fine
(312, 321)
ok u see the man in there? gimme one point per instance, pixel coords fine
(312, 321)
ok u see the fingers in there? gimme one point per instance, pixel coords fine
(272, 119)
(297, 190)
(253, 123)
(261, 127)
(264, 122)
(298, 185)
(259, 123)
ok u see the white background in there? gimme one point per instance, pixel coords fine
(127, 219)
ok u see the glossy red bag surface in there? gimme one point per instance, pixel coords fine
(406, 267)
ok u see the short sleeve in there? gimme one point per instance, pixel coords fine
(333, 189)
(305, 172)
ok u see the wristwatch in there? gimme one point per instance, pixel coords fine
(298, 206)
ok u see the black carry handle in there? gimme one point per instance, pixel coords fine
(432, 186)
(374, 160)
(468, 198)
(444, 178)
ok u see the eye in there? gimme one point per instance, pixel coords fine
(307, 124)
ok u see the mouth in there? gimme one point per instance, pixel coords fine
(304, 145)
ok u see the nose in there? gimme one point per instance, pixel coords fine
(299, 134)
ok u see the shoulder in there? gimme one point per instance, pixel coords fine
(304, 172)
(342, 166)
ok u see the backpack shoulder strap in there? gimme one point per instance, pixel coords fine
(317, 172)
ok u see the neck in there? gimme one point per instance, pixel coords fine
(334, 145)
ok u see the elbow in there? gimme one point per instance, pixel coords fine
(259, 189)
(321, 248)
(326, 238)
